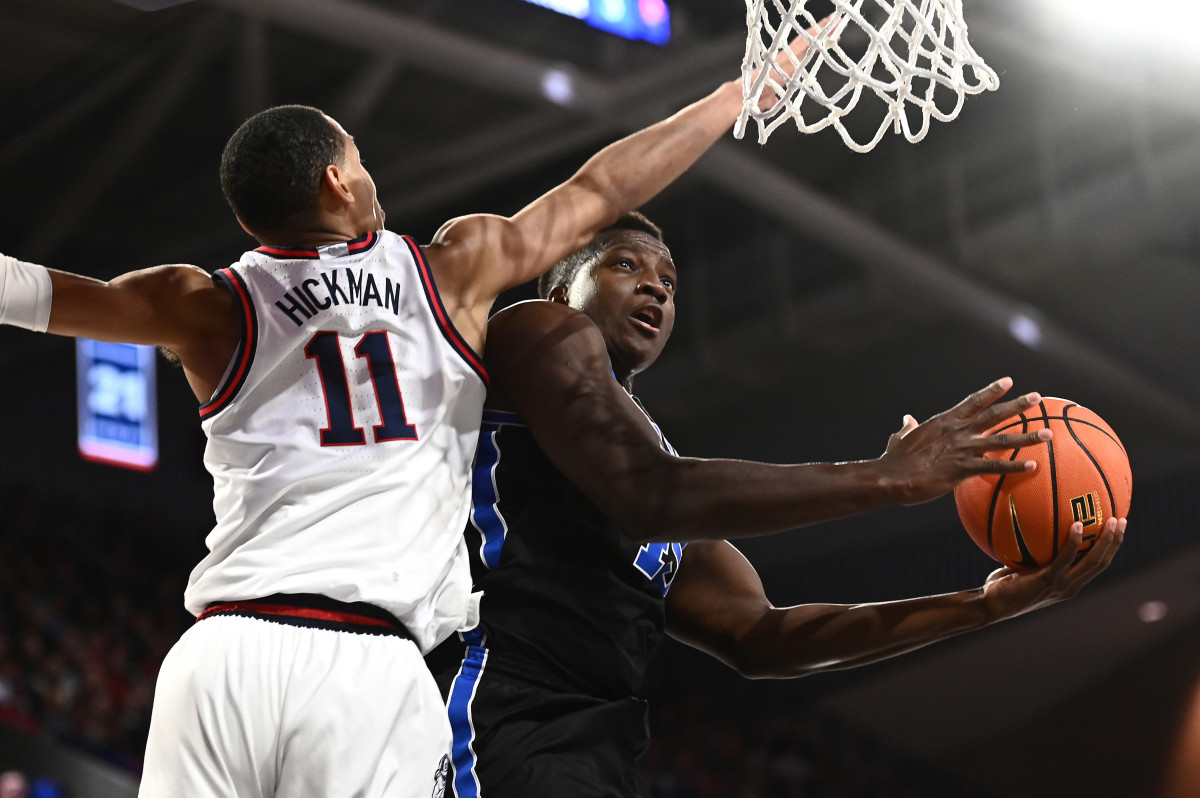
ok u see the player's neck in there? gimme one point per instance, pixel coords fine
(315, 235)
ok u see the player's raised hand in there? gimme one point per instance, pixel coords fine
(1009, 592)
(927, 460)
(792, 56)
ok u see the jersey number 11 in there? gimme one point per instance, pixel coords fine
(373, 347)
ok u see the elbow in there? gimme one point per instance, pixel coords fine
(757, 668)
(598, 183)
(647, 506)
(651, 522)
(753, 670)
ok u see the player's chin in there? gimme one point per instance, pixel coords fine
(647, 354)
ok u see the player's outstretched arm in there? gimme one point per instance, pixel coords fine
(550, 363)
(717, 605)
(177, 307)
(479, 256)
(484, 255)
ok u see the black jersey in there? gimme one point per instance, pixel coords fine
(540, 699)
(563, 588)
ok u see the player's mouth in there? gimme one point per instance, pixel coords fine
(649, 319)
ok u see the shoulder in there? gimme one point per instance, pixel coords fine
(542, 343)
(538, 325)
(176, 281)
(470, 242)
(534, 313)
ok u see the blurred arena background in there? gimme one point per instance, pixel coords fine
(1049, 234)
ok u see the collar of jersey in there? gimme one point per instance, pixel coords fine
(335, 250)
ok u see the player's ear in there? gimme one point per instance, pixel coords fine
(244, 227)
(558, 294)
(333, 180)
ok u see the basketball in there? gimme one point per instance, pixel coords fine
(1022, 520)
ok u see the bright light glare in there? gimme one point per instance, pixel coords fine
(612, 10)
(572, 8)
(1152, 611)
(558, 86)
(1025, 330)
(648, 20)
(1145, 24)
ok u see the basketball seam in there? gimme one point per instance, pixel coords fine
(1112, 501)
(1106, 433)
(991, 519)
(1053, 481)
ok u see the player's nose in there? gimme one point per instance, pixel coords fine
(653, 286)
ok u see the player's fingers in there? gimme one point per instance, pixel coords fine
(1006, 441)
(991, 416)
(987, 465)
(1070, 550)
(976, 402)
(1109, 541)
(907, 425)
(1100, 555)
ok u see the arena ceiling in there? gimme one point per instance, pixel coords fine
(823, 293)
(863, 285)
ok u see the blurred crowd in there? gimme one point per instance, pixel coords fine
(704, 747)
(91, 601)
(89, 605)
(15, 784)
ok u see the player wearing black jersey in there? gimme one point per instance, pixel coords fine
(573, 482)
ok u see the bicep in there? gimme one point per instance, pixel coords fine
(716, 601)
(551, 365)
(485, 255)
(165, 305)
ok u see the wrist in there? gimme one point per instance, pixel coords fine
(25, 293)
(885, 484)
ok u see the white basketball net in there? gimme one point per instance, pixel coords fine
(913, 52)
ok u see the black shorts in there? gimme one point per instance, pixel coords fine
(519, 735)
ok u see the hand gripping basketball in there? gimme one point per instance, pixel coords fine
(1009, 592)
(1083, 476)
(925, 461)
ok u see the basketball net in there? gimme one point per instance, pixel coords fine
(913, 53)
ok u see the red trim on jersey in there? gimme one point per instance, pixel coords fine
(289, 252)
(249, 341)
(256, 608)
(365, 241)
(442, 317)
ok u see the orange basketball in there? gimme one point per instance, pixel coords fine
(1022, 520)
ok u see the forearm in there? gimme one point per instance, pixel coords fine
(797, 641)
(691, 499)
(629, 172)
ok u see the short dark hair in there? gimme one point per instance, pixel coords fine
(563, 272)
(272, 166)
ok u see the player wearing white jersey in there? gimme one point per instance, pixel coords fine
(317, 414)
(341, 392)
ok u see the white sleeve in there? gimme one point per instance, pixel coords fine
(25, 292)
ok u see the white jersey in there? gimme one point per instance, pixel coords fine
(341, 438)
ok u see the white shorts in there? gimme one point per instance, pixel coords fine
(253, 708)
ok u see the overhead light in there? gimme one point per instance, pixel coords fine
(1153, 22)
(1152, 611)
(1026, 330)
(558, 86)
